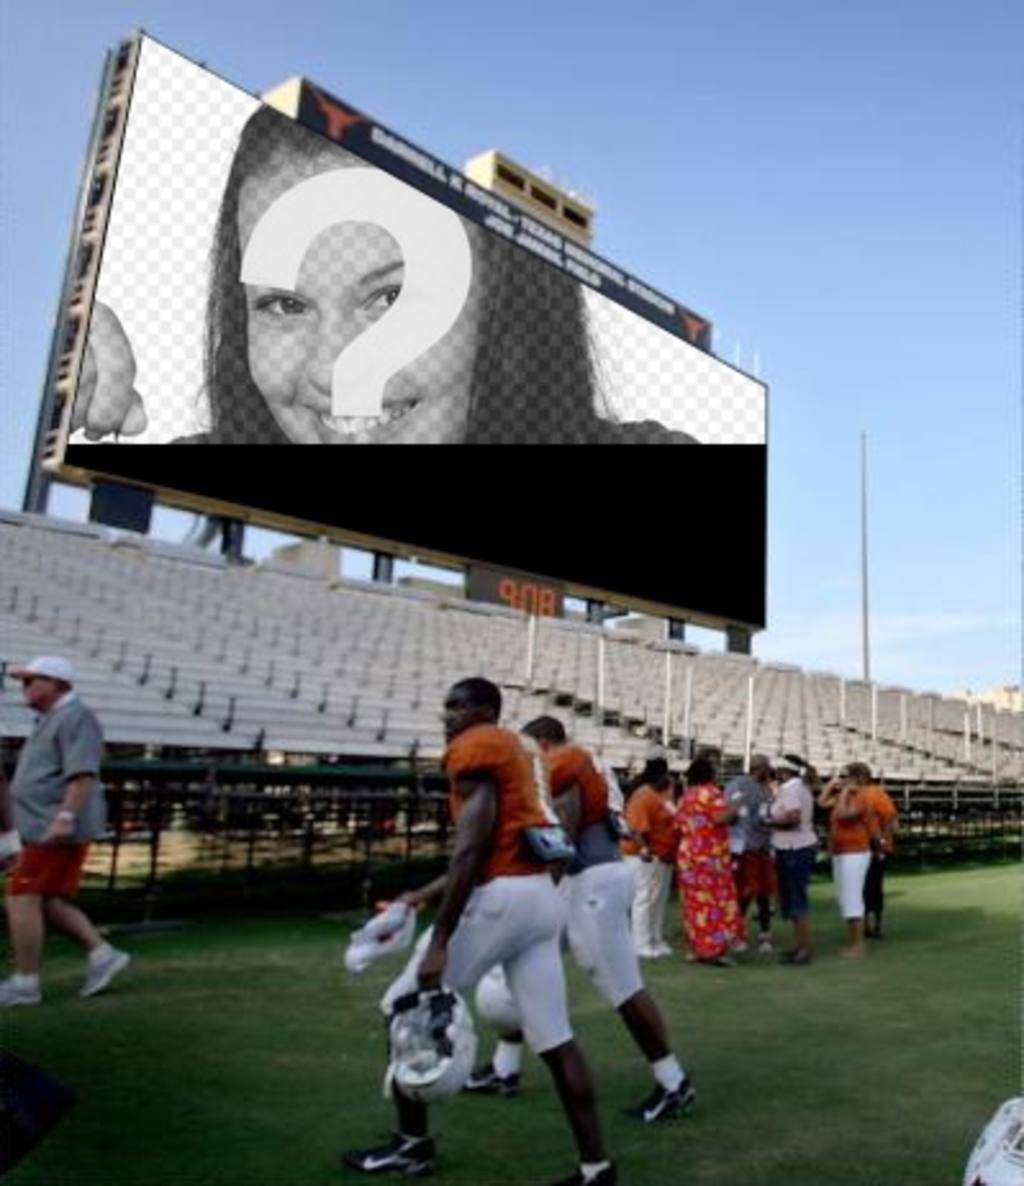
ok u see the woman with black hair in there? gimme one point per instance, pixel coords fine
(711, 916)
(651, 854)
(517, 366)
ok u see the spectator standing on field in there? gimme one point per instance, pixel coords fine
(851, 830)
(58, 808)
(750, 843)
(650, 815)
(884, 810)
(795, 842)
(711, 914)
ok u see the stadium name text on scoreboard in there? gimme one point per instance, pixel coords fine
(289, 274)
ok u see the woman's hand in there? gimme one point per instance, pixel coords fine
(107, 401)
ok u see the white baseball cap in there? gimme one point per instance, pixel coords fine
(48, 666)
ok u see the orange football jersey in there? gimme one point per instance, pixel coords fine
(498, 754)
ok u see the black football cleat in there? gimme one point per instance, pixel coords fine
(665, 1105)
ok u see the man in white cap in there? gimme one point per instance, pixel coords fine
(58, 809)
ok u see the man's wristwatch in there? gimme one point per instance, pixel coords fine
(64, 813)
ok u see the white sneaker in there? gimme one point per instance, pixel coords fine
(13, 993)
(646, 953)
(661, 950)
(764, 945)
(740, 946)
(100, 974)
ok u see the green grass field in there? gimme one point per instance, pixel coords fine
(239, 1053)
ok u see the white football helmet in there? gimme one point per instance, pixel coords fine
(433, 1045)
(495, 1003)
(998, 1157)
(391, 930)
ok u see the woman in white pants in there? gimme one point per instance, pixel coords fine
(651, 856)
(851, 827)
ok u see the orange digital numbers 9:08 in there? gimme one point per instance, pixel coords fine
(529, 596)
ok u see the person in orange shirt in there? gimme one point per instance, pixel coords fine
(651, 855)
(851, 830)
(883, 809)
(498, 904)
(598, 887)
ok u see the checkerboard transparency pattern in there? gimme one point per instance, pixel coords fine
(182, 133)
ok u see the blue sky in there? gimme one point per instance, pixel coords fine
(836, 186)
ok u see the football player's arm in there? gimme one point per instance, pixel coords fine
(433, 891)
(473, 836)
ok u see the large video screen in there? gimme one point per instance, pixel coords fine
(269, 284)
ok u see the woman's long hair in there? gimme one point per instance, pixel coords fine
(534, 376)
(534, 373)
(239, 414)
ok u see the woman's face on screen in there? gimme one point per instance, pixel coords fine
(349, 278)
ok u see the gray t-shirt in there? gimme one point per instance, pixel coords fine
(748, 832)
(67, 741)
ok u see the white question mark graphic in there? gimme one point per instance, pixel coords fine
(438, 270)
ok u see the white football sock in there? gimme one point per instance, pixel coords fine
(668, 1072)
(508, 1058)
(99, 954)
(25, 980)
(590, 1169)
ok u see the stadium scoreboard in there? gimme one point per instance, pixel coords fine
(283, 312)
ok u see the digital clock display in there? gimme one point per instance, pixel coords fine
(517, 590)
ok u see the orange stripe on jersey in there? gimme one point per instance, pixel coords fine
(495, 753)
(568, 764)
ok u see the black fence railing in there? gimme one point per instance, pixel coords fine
(231, 831)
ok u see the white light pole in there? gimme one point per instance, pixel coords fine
(864, 552)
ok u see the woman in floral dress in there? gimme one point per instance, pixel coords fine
(711, 917)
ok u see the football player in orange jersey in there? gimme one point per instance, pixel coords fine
(598, 889)
(498, 905)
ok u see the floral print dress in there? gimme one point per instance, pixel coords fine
(711, 917)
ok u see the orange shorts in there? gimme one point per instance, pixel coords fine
(48, 869)
(755, 875)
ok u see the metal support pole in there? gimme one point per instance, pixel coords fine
(688, 705)
(903, 719)
(600, 676)
(981, 722)
(931, 725)
(842, 701)
(666, 716)
(874, 712)
(967, 735)
(750, 723)
(995, 746)
(531, 648)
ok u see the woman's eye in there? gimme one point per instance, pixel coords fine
(281, 305)
(382, 300)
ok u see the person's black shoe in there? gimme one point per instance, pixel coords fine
(412, 1157)
(664, 1105)
(487, 1081)
(607, 1177)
